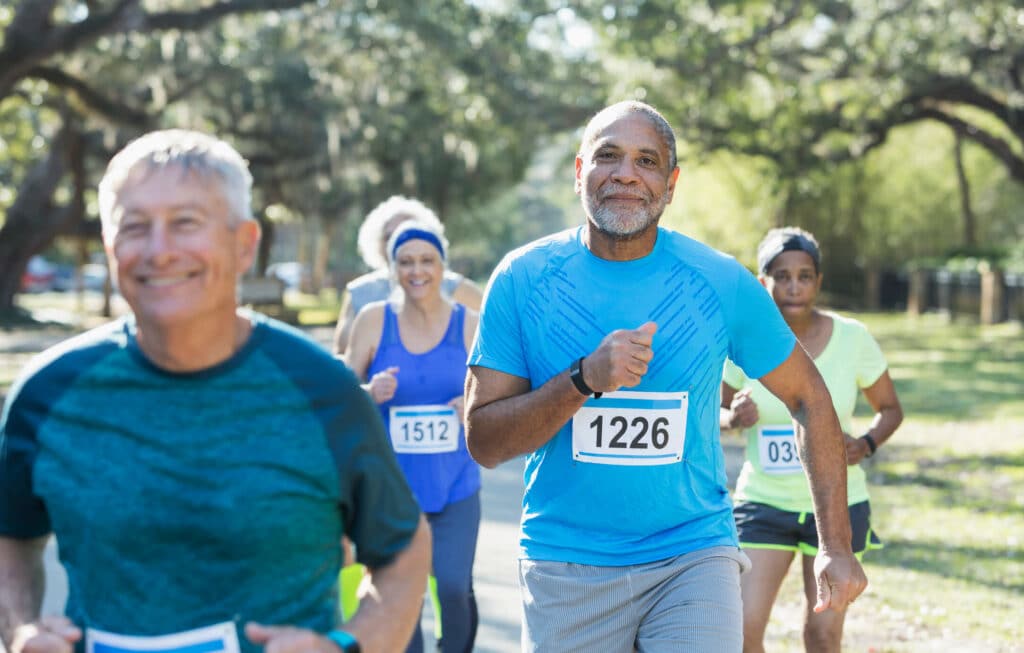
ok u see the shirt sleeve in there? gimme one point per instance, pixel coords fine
(733, 376)
(498, 344)
(870, 363)
(380, 513)
(23, 515)
(760, 339)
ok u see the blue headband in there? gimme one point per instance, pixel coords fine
(786, 242)
(416, 234)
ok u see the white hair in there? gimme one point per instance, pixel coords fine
(191, 152)
(371, 233)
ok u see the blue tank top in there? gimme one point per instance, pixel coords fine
(433, 377)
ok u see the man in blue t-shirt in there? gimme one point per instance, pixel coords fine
(198, 464)
(599, 356)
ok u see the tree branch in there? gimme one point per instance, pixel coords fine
(105, 106)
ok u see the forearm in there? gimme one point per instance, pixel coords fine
(885, 423)
(823, 453)
(520, 424)
(22, 580)
(390, 610)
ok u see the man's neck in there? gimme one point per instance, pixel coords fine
(612, 248)
(193, 347)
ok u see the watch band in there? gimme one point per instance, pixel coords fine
(576, 375)
(345, 641)
(871, 443)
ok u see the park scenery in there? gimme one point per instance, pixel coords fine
(892, 130)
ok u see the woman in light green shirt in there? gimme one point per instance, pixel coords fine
(774, 512)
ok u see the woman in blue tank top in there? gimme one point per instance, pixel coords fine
(413, 353)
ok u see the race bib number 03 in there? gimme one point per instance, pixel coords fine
(777, 448)
(631, 428)
(220, 638)
(424, 429)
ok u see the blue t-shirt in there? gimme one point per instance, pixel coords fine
(432, 378)
(553, 301)
(184, 500)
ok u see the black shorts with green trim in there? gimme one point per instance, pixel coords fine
(761, 526)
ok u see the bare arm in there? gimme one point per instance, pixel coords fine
(504, 418)
(888, 416)
(365, 331)
(344, 327)
(22, 580)
(388, 610)
(798, 384)
(468, 294)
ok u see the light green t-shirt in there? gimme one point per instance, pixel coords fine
(852, 360)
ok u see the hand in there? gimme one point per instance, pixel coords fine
(382, 385)
(621, 360)
(856, 449)
(742, 410)
(48, 635)
(840, 580)
(288, 639)
(459, 404)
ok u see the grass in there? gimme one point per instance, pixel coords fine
(947, 497)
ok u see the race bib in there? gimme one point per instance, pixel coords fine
(424, 429)
(631, 428)
(220, 638)
(778, 451)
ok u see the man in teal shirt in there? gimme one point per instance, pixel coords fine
(198, 464)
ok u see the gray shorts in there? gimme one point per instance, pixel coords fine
(686, 603)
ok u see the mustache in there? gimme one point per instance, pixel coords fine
(617, 189)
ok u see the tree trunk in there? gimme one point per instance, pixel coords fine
(33, 221)
(965, 190)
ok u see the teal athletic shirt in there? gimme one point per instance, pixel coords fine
(185, 500)
(553, 301)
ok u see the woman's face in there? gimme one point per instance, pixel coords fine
(419, 269)
(793, 283)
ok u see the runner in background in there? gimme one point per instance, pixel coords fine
(774, 507)
(412, 350)
(375, 286)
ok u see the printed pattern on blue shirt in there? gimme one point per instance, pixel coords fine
(184, 500)
(553, 301)
(434, 377)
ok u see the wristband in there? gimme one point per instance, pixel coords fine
(871, 444)
(576, 374)
(345, 641)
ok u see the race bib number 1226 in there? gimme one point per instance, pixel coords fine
(631, 428)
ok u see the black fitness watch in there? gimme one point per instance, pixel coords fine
(576, 374)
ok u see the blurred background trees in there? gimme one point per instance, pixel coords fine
(893, 129)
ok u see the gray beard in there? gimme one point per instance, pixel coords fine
(627, 226)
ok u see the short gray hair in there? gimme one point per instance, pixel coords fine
(371, 233)
(190, 151)
(615, 111)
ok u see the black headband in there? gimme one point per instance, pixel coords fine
(786, 242)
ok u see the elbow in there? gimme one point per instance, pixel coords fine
(896, 415)
(478, 449)
(481, 455)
